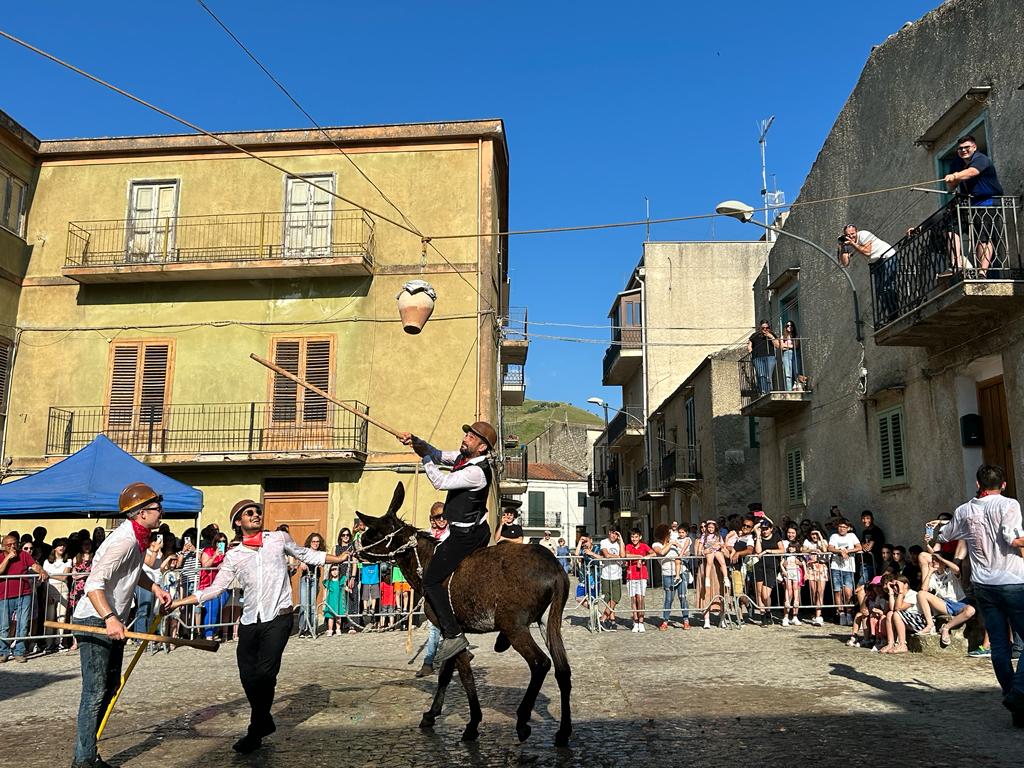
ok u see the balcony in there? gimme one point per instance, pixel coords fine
(648, 484)
(622, 359)
(242, 246)
(513, 384)
(513, 479)
(542, 521)
(775, 386)
(216, 434)
(626, 430)
(627, 501)
(681, 466)
(514, 336)
(955, 275)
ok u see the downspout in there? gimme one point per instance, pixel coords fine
(4, 464)
(641, 275)
(479, 229)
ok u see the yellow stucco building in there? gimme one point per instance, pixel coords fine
(140, 272)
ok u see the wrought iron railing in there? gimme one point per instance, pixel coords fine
(225, 237)
(515, 466)
(783, 371)
(681, 464)
(513, 376)
(210, 428)
(628, 417)
(627, 501)
(961, 241)
(516, 324)
(543, 519)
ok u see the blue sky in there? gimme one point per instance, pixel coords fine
(604, 104)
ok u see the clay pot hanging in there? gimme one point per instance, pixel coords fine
(416, 304)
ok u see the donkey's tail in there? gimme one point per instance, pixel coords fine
(553, 633)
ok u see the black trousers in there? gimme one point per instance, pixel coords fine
(459, 545)
(260, 647)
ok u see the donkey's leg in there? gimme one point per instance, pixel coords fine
(539, 663)
(447, 670)
(475, 715)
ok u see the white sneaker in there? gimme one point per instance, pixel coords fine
(785, 621)
(636, 627)
(819, 621)
(707, 623)
(795, 621)
(642, 629)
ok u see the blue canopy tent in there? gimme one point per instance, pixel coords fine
(88, 483)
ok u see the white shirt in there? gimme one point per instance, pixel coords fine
(988, 525)
(946, 585)
(879, 248)
(612, 571)
(548, 543)
(263, 574)
(115, 569)
(848, 542)
(57, 567)
(470, 475)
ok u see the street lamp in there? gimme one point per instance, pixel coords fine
(740, 211)
(599, 402)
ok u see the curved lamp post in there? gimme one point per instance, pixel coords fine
(740, 211)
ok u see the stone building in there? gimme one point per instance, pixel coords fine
(900, 423)
(150, 267)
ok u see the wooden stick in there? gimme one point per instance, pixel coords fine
(203, 645)
(313, 388)
(127, 673)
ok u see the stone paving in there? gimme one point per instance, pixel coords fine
(759, 696)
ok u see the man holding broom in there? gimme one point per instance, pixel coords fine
(110, 587)
(260, 564)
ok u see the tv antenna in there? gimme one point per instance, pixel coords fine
(763, 126)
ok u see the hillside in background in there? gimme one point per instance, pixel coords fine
(534, 416)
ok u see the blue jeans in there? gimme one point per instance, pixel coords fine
(101, 660)
(1002, 607)
(789, 368)
(18, 607)
(307, 605)
(867, 571)
(670, 592)
(765, 367)
(143, 609)
(211, 614)
(433, 638)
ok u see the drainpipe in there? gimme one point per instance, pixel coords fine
(7, 406)
(641, 275)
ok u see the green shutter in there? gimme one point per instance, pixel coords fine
(535, 513)
(891, 455)
(795, 476)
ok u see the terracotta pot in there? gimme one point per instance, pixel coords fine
(415, 309)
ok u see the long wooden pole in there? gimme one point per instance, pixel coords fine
(157, 618)
(317, 390)
(203, 645)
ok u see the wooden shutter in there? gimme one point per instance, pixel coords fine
(140, 372)
(5, 373)
(318, 373)
(535, 513)
(795, 476)
(124, 372)
(153, 383)
(311, 359)
(152, 218)
(308, 215)
(892, 462)
(287, 354)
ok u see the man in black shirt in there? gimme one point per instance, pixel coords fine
(872, 540)
(974, 179)
(509, 530)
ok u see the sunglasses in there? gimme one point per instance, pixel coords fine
(437, 517)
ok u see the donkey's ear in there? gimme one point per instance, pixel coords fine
(367, 520)
(396, 500)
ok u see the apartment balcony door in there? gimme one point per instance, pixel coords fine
(308, 213)
(152, 212)
(996, 425)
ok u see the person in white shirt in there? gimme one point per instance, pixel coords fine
(948, 595)
(843, 545)
(110, 589)
(260, 567)
(611, 574)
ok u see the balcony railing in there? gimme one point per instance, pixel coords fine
(515, 466)
(516, 325)
(781, 374)
(250, 237)
(680, 465)
(622, 339)
(543, 519)
(627, 501)
(629, 418)
(206, 428)
(957, 243)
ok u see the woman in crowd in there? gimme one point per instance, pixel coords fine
(350, 585)
(790, 345)
(816, 569)
(170, 580)
(79, 573)
(58, 568)
(792, 576)
(673, 571)
(309, 586)
(767, 548)
(210, 558)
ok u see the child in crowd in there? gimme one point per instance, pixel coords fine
(948, 595)
(816, 570)
(334, 599)
(79, 573)
(905, 612)
(636, 576)
(711, 548)
(387, 598)
(403, 593)
(369, 577)
(867, 621)
(792, 576)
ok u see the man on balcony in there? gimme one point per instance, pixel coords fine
(874, 249)
(465, 508)
(976, 183)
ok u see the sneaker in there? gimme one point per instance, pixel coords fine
(686, 623)
(663, 626)
(707, 622)
(785, 621)
(642, 628)
(795, 621)
(852, 642)
(636, 627)
(818, 621)
(980, 653)
(612, 626)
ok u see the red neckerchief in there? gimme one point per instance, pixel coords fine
(989, 493)
(142, 535)
(459, 463)
(255, 540)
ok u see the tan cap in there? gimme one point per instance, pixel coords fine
(243, 505)
(482, 430)
(135, 496)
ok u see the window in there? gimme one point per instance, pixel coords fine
(753, 428)
(5, 373)
(795, 476)
(691, 422)
(152, 219)
(12, 198)
(892, 459)
(139, 386)
(308, 216)
(535, 510)
(581, 499)
(311, 359)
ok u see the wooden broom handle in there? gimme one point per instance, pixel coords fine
(313, 388)
(203, 645)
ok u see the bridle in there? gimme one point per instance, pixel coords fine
(390, 555)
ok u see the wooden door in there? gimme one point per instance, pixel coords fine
(996, 426)
(304, 512)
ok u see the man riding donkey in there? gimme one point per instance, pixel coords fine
(468, 485)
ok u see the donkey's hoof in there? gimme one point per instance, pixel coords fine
(470, 734)
(427, 722)
(523, 731)
(561, 739)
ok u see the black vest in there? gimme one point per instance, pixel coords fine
(464, 505)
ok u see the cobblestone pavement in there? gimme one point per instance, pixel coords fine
(705, 697)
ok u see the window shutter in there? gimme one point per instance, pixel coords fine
(123, 375)
(311, 360)
(284, 399)
(535, 515)
(892, 462)
(153, 390)
(318, 373)
(795, 476)
(5, 374)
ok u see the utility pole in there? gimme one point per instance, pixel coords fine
(764, 126)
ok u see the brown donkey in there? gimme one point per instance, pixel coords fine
(503, 589)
